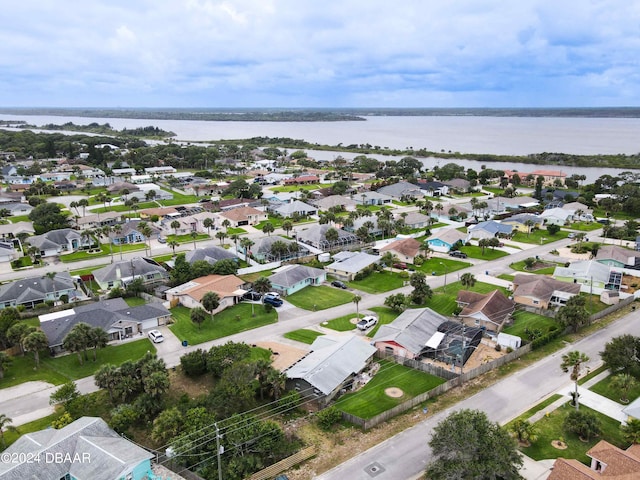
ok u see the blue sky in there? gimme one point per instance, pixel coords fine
(311, 53)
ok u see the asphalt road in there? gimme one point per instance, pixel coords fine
(406, 455)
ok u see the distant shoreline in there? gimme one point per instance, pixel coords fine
(318, 114)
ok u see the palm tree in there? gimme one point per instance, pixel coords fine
(630, 431)
(146, 231)
(246, 244)
(208, 223)
(468, 280)
(226, 223)
(573, 361)
(97, 338)
(210, 301)
(5, 361)
(173, 244)
(287, 226)
(197, 316)
(623, 382)
(34, 342)
(276, 380)
(221, 236)
(389, 258)
(268, 228)
(235, 237)
(107, 377)
(84, 203)
(4, 426)
(194, 235)
(356, 299)
(117, 229)
(262, 285)
(51, 276)
(175, 225)
(524, 431)
(529, 224)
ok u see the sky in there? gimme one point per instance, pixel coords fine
(320, 53)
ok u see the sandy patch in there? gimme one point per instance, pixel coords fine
(283, 355)
(354, 320)
(394, 392)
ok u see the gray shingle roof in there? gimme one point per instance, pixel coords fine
(209, 254)
(110, 456)
(412, 329)
(35, 288)
(355, 263)
(294, 274)
(58, 237)
(332, 361)
(492, 227)
(125, 269)
(400, 189)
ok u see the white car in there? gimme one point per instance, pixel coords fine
(367, 322)
(156, 336)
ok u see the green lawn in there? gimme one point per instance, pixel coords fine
(320, 297)
(533, 321)
(341, 324)
(489, 253)
(187, 238)
(378, 282)
(135, 301)
(231, 320)
(444, 301)
(550, 428)
(236, 231)
(535, 409)
(259, 353)
(385, 315)
(520, 267)
(440, 266)
(585, 226)
(104, 252)
(58, 370)
(303, 335)
(297, 188)
(372, 400)
(538, 237)
(603, 387)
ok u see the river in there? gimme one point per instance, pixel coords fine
(465, 134)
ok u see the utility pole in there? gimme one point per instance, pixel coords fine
(218, 450)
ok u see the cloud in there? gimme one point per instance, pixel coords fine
(229, 53)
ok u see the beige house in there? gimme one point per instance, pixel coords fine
(486, 311)
(228, 287)
(244, 216)
(542, 292)
(405, 249)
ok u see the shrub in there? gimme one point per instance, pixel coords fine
(123, 417)
(498, 348)
(268, 307)
(328, 417)
(194, 363)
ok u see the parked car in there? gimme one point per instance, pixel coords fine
(571, 235)
(603, 221)
(251, 295)
(272, 295)
(338, 283)
(367, 322)
(156, 336)
(400, 265)
(162, 240)
(276, 302)
(457, 254)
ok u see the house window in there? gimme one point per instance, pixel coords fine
(536, 302)
(477, 322)
(388, 350)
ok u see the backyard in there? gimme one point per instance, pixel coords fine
(372, 399)
(235, 319)
(320, 297)
(523, 320)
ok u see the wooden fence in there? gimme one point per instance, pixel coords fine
(611, 309)
(285, 464)
(454, 381)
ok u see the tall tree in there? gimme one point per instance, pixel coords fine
(421, 289)
(97, 338)
(623, 382)
(621, 355)
(357, 299)
(4, 426)
(246, 244)
(468, 280)
(5, 362)
(268, 228)
(34, 342)
(466, 445)
(573, 362)
(107, 377)
(262, 285)
(574, 314)
(197, 316)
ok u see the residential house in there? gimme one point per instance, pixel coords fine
(160, 171)
(140, 179)
(8, 252)
(454, 210)
(523, 222)
(608, 462)
(550, 176)
(332, 366)
(592, 276)
(10, 231)
(160, 194)
(85, 449)
(114, 316)
(210, 255)
(433, 188)
(160, 212)
(541, 292)
(499, 205)
(402, 191)
(581, 212)
(302, 180)
(119, 188)
(616, 256)
(374, 230)
(123, 172)
(419, 333)
(326, 203)
(242, 216)
(459, 185)
(264, 251)
(291, 278)
(120, 274)
(131, 233)
(488, 229)
(98, 220)
(229, 288)
(347, 268)
(8, 171)
(372, 198)
(296, 207)
(315, 236)
(32, 291)
(55, 242)
(444, 239)
(486, 311)
(414, 220)
(405, 249)
(556, 216)
(17, 209)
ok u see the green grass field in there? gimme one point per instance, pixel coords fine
(105, 251)
(378, 282)
(303, 335)
(489, 253)
(538, 237)
(372, 400)
(550, 428)
(444, 300)
(385, 315)
(320, 297)
(533, 321)
(58, 370)
(342, 324)
(604, 388)
(440, 266)
(535, 409)
(231, 320)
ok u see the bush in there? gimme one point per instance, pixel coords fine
(194, 363)
(498, 348)
(328, 417)
(124, 417)
(268, 307)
